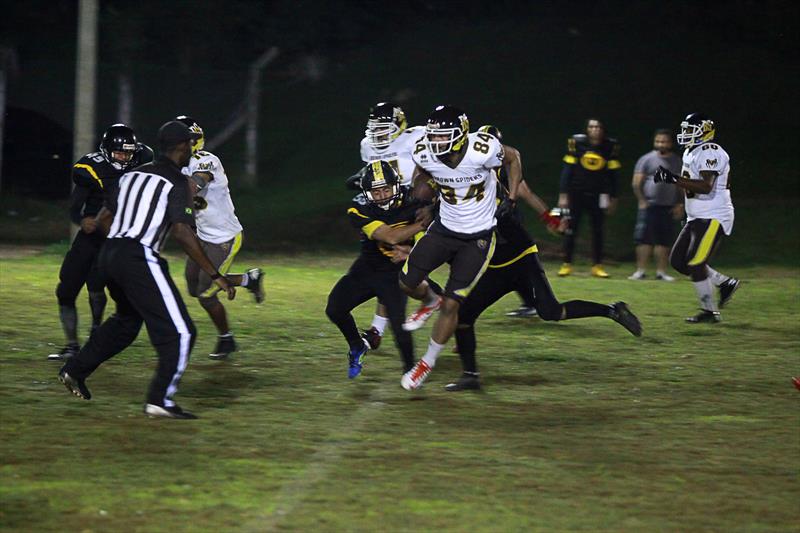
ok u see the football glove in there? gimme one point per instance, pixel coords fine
(505, 209)
(551, 221)
(663, 175)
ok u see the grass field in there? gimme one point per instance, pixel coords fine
(580, 426)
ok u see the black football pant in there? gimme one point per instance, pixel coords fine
(139, 282)
(360, 284)
(79, 268)
(580, 202)
(695, 245)
(496, 283)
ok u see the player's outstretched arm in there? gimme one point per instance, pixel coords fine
(396, 235)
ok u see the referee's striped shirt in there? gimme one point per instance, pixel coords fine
(151, 198)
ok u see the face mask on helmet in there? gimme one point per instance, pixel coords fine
(386, 122)
(119, 146)
(194, 127)
(446, 130)
(381, 185)
(695, 130)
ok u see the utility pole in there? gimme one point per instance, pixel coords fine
(251, 131)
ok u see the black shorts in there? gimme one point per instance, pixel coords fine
(468, 260)
(694, 247)
(654, 226)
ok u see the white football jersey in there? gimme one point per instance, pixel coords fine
(717, 203)
(398, 153)
(217, 222)
(467, 193)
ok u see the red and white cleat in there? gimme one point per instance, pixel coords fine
(418, 318)
(796, 382)
(414, 378)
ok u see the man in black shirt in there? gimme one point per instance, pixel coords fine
(95, 176)
(385, 216)
(588, 184)
(153, 200)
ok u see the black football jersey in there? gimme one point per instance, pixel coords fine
(368, 217)
(590, 168)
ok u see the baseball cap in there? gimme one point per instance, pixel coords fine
(174, 132)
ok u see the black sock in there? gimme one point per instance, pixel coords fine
(465, 340)
(583, 309)
(97, 303)
(69, 321)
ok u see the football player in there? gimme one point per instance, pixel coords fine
(704, 179)
(388, 138)
(588, 183)
(95, 175)
(220, 235)
(462, 165)
(515, 264)
(386, 218)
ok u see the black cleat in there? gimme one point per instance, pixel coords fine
(226, 345)
(625, 318)
(726, 291)
(152, 410)
(372, 337)
(711, 317)
(68, 351)
(467, 381)
(255, 283)
(76, 386)
(523, 312)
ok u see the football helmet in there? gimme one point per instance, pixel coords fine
(386, 122)
(696, 129)
(119, 138)
(379, 175)
(200, 143)
(492, 130)
(446, 130)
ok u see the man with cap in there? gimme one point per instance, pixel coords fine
(153, 200)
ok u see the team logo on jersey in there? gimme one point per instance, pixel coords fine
(711, 163)
(209, 165)
(482, 244)
(592, 161)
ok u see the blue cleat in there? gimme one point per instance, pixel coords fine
(356, 360)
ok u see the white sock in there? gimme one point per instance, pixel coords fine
(379, 323)
(430, 298)
(639, 271)
(716, 278)
(245, 279)
(434, 348)
(705, 292)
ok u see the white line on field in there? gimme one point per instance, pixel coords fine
(319, 466)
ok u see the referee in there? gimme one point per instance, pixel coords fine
(153, 200)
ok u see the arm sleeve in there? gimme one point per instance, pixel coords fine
(77, 199)
(179, 209)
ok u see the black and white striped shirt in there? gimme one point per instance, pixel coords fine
(150, 200)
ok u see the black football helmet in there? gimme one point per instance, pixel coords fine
(119, 139)
(696, 129)
(385, 123)
(451, 126)
(377, 175)
(492, 130)
(195, 128)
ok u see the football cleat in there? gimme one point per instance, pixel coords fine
(660, 276)
(796, 382)
(153, 411)
(637, 276)
(467, 381)
(726, 291)
(226, 345)
(255, 283)
(70, 350)
(523, 311)
(356, 361)
(414, 378)
(622, 315)
(76, 386)
(599, 272)
(565, 270)
(372, 337)
(418, 318)
(711, 317)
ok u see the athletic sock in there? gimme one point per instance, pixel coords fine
(245, 280)
(97, 304)
(434, 348)
(430, 298)
(705, 292)
(716, 278)
(583, 309)
(379, 323)
(465, 338)
(69, 321)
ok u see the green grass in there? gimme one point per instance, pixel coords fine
(580, 426)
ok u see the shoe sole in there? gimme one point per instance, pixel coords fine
(218, 356)
(68, 383)
(155, 411)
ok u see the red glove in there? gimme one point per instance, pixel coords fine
(551, 221)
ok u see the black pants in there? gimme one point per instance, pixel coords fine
(590, 203)
(356, 287)
(497, 282)
(694, 247)
(79, 268)
(140, 284)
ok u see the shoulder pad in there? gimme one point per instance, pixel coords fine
(146, 154)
